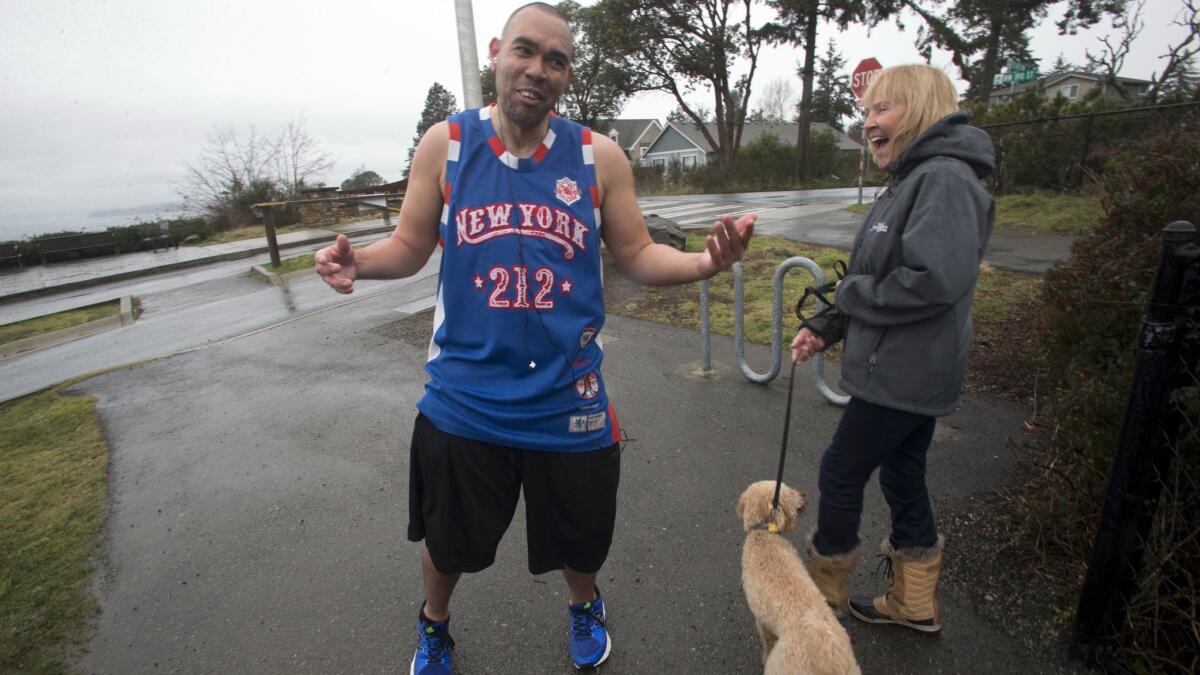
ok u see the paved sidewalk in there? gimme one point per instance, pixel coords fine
(258, 500)
(35, 280)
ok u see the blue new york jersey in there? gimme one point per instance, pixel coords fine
(515, 355)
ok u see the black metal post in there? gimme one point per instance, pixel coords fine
(272, 244)
(1144, 454)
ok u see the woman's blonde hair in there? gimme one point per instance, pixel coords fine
(927, 94)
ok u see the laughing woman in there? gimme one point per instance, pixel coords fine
(904, 310)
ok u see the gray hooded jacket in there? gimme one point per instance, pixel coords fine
(905, 303)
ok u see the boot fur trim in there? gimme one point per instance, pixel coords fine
(848, 556)
(912, 553)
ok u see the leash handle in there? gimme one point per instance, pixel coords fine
(787, 420)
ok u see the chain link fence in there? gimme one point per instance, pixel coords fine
(1064, 152)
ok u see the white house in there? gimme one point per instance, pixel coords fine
(1071, 85)
(684, 142)
(634, 136)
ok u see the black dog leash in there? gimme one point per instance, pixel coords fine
(787, 419)
(839, 268)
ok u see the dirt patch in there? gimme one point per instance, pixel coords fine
(415, 329)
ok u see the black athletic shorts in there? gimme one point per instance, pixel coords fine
(463, 493)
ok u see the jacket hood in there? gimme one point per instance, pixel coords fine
(952, 137)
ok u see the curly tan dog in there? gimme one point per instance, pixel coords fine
(798, 629)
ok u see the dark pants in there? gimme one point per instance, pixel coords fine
(870, 436)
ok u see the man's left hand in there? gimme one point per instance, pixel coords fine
(727, 244)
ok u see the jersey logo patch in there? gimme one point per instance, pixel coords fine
(583, 423)
(566, 190)
(879, 227)
(588, 386)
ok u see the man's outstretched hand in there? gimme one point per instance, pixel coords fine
(727, 244)
(336, 265)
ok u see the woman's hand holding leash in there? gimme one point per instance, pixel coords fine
(805, 344)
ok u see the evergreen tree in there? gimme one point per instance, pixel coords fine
(1061, 65)
(1182, 82)
(796, 23)
(832, 98)
(361, 178)
(439, 104)
(985, 35)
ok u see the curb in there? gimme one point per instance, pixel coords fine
(33, 343)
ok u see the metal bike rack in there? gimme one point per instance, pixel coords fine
(818, 360)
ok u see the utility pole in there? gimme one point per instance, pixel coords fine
(468, 56)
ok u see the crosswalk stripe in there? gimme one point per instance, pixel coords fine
(689, 210)
(702, 219)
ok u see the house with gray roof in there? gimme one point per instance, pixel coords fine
(634, 136)
(1071, 85)
(684, 142)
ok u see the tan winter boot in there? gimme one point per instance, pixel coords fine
(829, 572)
(910, 601)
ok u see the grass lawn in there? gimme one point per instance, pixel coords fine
(241, 233)
(54, 461)
(52, 322)
(1046, 211)
(1040, 211)
(293, 264)
(1000, 356)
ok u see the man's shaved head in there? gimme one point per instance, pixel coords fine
(542, 7)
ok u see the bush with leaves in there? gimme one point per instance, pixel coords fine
(1094, 301)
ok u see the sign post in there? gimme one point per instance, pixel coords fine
(860, 79)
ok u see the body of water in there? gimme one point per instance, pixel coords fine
(15, 226)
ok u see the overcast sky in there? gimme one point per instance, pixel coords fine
(104, 101)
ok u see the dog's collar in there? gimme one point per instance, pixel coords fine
(764, 527)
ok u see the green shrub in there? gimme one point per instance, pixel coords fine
(182, 228)
(648, 178)
(1094, 302)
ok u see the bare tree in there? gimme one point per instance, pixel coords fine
(777, 100)
(1179, 57)
(299, 158)
(227, 165)
(236, 170)
(1110, 61)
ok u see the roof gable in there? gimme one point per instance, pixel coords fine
(630, 131)
(752, 131)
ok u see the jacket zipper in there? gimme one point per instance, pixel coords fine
(875, 353)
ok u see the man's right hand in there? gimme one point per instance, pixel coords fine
(336, 265)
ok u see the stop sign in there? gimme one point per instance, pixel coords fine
(863, 73)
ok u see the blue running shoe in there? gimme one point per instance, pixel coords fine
(588, 638)
(434, 647)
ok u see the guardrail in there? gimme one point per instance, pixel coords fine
(739, 340)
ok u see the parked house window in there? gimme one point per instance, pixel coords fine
(1069, 91)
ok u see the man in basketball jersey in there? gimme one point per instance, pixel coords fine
(519, 199)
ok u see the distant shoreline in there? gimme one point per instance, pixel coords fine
(16, 227)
